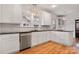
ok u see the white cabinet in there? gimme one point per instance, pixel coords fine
(53, 36)
(38, 38)
(43, 37)
(11, 13)
(48, 34)
(34, 39)
(9, 43)
(0, 13)
(65, 38)
(45, 18)
(18, 13)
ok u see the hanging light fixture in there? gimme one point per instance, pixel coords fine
(35, 10)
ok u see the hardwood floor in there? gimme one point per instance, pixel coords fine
(49, 48)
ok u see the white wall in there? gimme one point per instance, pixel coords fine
(70, 21)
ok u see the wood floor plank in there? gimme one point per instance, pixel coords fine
(49, 48)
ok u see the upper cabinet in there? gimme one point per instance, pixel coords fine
(0, 12)
(10, 13)
(45, 18)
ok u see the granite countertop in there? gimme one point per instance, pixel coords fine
(27, 30)
(15, 30)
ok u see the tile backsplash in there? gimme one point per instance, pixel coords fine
(8, 27)
(3, 25)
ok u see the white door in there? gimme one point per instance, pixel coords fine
(9, 43)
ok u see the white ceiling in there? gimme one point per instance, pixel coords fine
(61, 9)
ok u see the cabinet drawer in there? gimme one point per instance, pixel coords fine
(9, 36)
(9, 43)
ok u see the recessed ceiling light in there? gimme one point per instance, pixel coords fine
(53, 6)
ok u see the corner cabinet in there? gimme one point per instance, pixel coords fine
(9, 43)
(10, 13)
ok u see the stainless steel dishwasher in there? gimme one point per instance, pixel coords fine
(25, 40)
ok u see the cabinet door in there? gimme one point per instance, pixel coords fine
(48, 34)
(44, 36)
(34, 39)
(11, 13)
(65, 38)
(39, 37)
(1, 13)
(45, 18)
(53, 36)
(18, 13)
(7, 12)
(9, 43)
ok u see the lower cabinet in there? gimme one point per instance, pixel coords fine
(38, 38)
(9, 43)
(65, 38)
